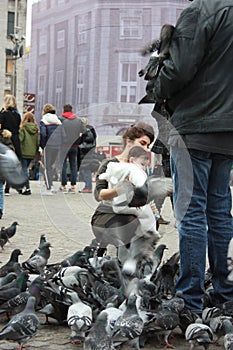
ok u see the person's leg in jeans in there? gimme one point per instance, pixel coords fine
(1, 198)
(201, 198)
(25, 164)
(73, 165)
(220, 226)
(190, 179)
(50, 158)
(64, 172)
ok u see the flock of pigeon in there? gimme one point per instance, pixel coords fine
(104, 306)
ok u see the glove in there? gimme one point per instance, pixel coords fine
(10, 167)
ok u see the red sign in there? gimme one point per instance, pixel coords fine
(29, 103)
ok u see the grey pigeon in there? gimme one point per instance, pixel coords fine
(41, 243)
(3, 238)
(9, 266)
(228, 337)
(17, 303)
(11, 230)
(37, 262)
(129, 326)
(17, 286)
(199, 334)
(22, 326)
(79, 319)
(98, 338)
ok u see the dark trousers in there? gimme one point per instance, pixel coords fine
(72, 158)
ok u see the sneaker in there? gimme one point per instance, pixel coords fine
(71, 190)
(7, 194)
(26, 193)
(63, 189)
(19, 190)
(85, 190)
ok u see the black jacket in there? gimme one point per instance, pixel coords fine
(197, 78)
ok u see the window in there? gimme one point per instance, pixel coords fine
(82, 29)
(10, 23)
(9, 66)
(42, 44)
(60, 39)
(59, 88)
(131, 24)
(80, 85)
(128, 82)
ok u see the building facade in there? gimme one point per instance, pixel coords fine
(88, 53)
(12, 36)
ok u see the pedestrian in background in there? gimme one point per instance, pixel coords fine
(28, 136)
(10, 119)
(52, 137)
(88, 160)
(5, 138)
(196, 83)
(74, 128)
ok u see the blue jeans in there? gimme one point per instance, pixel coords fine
(25, 164)
(202, 207)
(72, 157)
(86, 176)
(1, 195)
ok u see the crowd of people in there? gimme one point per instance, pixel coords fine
(56, 144)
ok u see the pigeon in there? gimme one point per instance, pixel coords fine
(22, 326)
(98, 338)
(3, 238)
(228, 337)
(8, 278)
(17, 286)
(41, 243)
(160, 51)
(199, 334)
(129, 326)
(9, 266)
(10, 231)
(79, 319)
(37, 263)
(216, 325)
(17, 303)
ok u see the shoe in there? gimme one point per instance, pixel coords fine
(19, 191)
(161, 221)
(71, 190)
(85, 191)
(63, 189)
(7, 194)
(26, 193)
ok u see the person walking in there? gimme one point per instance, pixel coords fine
(5, 139)
(28, 136)
(10, 119)
(195, 82)
(52, 137)
(74, 128)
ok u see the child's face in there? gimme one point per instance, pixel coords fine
(142, 161)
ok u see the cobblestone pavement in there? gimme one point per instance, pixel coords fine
(65, 220)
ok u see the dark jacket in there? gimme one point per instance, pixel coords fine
(11, 120)
(197, 78)
(52, 133)
(73, 126)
